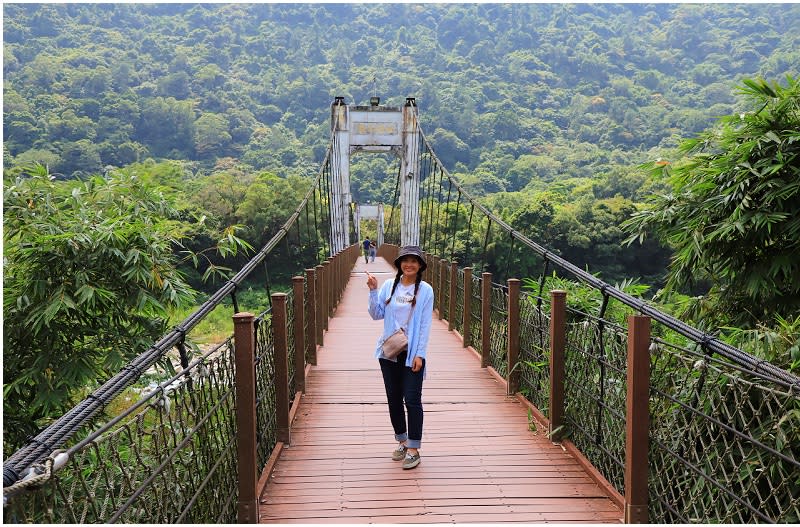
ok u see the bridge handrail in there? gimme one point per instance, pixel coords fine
(57, 433)
(708, 341)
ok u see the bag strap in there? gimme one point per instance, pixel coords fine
(410, 313)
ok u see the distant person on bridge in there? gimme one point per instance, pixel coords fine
(373, 251)
(366, 245)
(405, 302)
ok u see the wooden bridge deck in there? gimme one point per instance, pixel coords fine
(481, 462)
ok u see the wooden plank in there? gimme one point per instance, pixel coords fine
(482, 459)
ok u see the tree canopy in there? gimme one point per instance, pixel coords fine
(733, 211)
(91, 272)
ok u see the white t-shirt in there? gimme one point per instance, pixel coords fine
(401, 304)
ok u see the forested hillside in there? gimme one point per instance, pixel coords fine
(509, 93)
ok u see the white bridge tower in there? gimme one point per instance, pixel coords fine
(376, 129)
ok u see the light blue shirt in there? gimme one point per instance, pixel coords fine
(419, 327)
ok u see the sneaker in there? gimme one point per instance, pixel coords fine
(399, 453)
(411, 461)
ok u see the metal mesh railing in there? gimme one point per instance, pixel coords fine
(595, 393)
(534, 352)
(458, 315)
(168, 457)
(725, 444)
(266, 398)
(475, 317)
(499, 333)
(292, 345)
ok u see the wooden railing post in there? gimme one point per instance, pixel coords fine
(451, 310)
(281, 350)
(558, 319)
(442, 275)
(637, 419)
(311, 302)
(319, 291)
(512, 385)
(298, 325)
(467, 315)
(246, 448)
(486, 319)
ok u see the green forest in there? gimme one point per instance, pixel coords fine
(582, 125)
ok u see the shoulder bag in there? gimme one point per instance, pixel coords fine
(397, 342)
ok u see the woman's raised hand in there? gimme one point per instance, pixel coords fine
(372, 282)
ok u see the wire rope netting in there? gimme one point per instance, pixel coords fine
(498, 319)
(534, 352)
(266, 397)
(596, 391)
(476, 328)
(725, 443)
(458, 315)
(169, 457)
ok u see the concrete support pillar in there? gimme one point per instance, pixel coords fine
(340, 176)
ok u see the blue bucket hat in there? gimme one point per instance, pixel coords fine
(412, 250)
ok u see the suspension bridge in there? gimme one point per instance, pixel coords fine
(536, 410)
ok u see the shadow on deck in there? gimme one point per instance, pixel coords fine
(483, 460)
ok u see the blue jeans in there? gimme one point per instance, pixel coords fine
(403, 385)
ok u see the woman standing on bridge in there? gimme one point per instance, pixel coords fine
(405, 302)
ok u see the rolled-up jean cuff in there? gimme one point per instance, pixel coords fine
(401, 437)
(413, 443)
